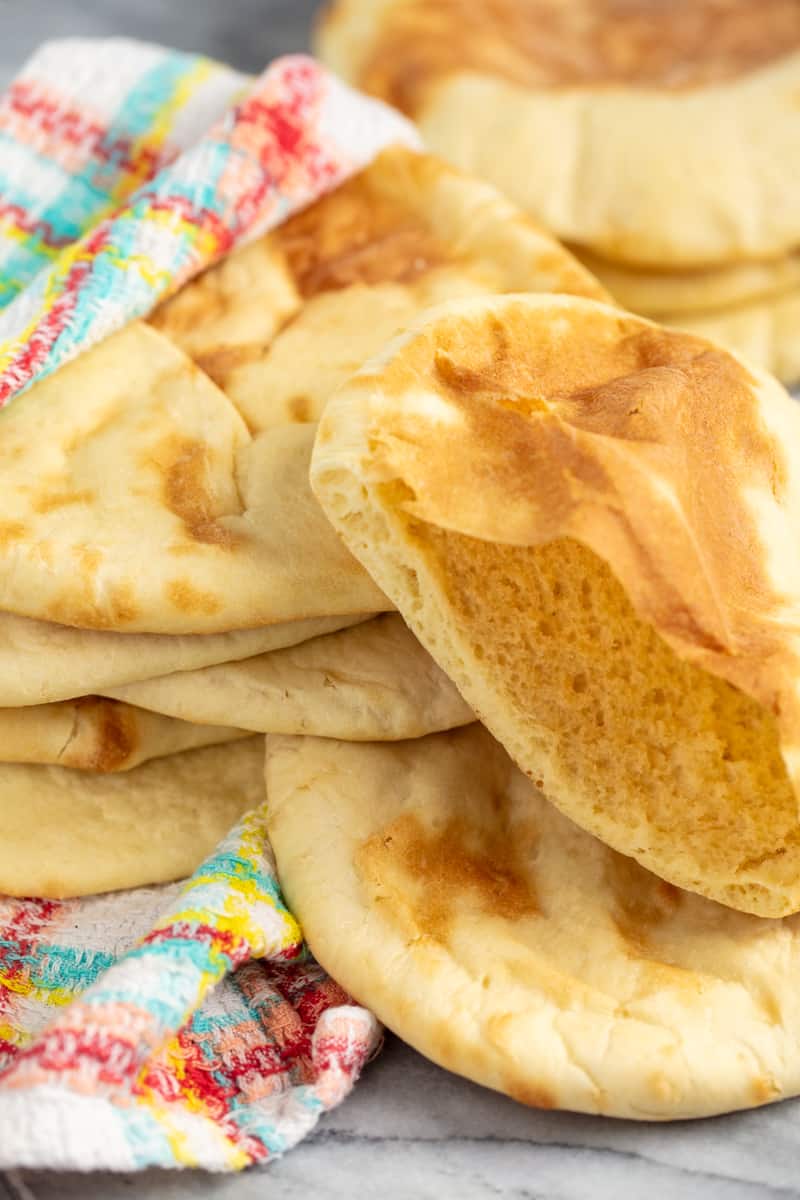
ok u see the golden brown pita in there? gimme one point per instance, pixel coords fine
(605, 563)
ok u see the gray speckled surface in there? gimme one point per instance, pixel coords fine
(410, 1129)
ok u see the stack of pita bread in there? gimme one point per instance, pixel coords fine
(661, 139)
(508, 577)
(170, 588)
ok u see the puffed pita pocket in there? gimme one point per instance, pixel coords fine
(591, 522)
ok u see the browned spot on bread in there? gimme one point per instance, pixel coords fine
(89, 559)
(300, 408)
(51, 500)
(454, 865)
(769, 1004)
(668, 44)
(10, 532)
(183, 464)
(642, 901)
(114, 732)
(763, 1089)
(189, 599)
(122, 604)
(80, 606)
(356, 235)
(219, 364)
(527, 1092)
(207, 300)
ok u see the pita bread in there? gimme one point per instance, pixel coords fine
(68, 833)
(148, 507)
(508, 945)
(370, 683)
(604, 562)
(654, 133)
(282, 323)
(663, 293)
(766, 332)
(41, 661)
(93, 734)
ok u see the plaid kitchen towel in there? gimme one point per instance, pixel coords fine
(83, 250)
(178, 1026)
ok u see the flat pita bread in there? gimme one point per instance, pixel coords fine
(41, 661)
(283, 322)
(68, 833)
(508, 945)
(149, 508)
(370, 683)
(654, 133)
(604, 562)
(93, 734)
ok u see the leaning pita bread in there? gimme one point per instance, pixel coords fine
(604, 561)
(41, 661)
(661, 293)
(149, 508)
(767, 332)
(69, 833)
(653, 132)
(280, 324)
(93, 734)
(370, 683)
(506, 944)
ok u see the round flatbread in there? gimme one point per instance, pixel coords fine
(283, 322)
(604, 562)
(41, 661)
(69, 833)
(149, 508)
(94, 734)
(370, 683)
(655, 133)
(436, 884)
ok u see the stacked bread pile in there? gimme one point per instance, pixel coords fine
(508, 576)
(169, 585)
(660, 139)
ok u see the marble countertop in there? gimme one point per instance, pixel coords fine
(410, 1129)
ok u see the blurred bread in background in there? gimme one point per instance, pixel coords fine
(658, 136)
